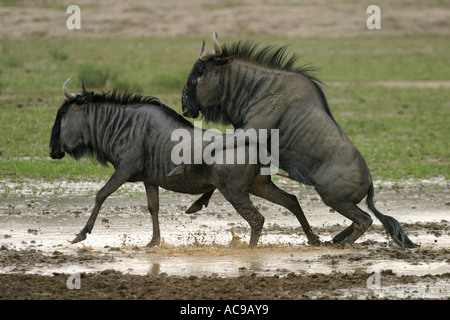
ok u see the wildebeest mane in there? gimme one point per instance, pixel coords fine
(126, 99)
(275, 57)
(115, 99)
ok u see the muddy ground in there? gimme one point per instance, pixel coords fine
(110, 284)
(205, 255)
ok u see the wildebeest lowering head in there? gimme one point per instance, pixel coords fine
(200, 89)
(66, 133)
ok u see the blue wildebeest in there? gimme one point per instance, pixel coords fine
(133, 133)
(252, 87)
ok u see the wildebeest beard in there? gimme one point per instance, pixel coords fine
(215, 114)
(86, 150)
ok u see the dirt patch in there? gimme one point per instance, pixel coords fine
(23, 260)
(139, 18)
(110, 284)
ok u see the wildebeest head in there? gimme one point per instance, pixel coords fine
(67, 130)
(200, 90)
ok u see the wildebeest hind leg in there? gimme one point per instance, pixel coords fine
(264, 187)
(246, 209)
(200, 202)
(339, 238)
(153, 207)
(361, 222)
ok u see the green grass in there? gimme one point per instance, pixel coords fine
(58, 54)
(95, 75)
(402, 132)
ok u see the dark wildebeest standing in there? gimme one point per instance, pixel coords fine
(261, 88)
(133, 133)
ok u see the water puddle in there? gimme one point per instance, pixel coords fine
(213, 242)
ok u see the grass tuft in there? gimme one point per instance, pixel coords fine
(94, 75)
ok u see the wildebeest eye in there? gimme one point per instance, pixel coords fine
(200, 71)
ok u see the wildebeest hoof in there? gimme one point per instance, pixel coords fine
(178, 171)
(314, 241)
(153, 243)
(200, 202)
(194, 208)
(80, 237)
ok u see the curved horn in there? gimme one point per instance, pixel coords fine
(208, 55)
(203, 47)
(66, 92)
(217, 48)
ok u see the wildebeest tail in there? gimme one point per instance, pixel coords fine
(298, 172)
(391, 225)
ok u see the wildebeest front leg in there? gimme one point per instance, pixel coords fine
(153, 208)
(116, 180)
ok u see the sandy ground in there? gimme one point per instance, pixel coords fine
(143, 18)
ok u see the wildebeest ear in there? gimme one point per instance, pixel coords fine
(224, 61)
(84, 98)
(88, 96)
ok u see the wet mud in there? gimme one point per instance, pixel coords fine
(205, 255)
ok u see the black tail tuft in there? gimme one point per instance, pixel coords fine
(391, 225)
